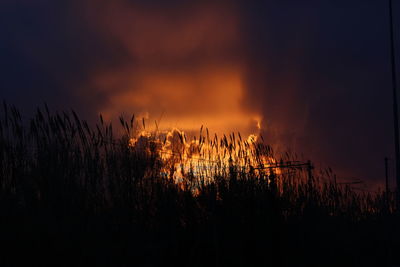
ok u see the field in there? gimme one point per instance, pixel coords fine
(72, 194)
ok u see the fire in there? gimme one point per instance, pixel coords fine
(184, 70)
(205, 156)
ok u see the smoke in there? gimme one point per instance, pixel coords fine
(319, 73)
(183, 65)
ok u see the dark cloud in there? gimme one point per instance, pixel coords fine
(320, 73)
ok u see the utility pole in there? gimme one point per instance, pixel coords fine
(395, 108)
(310, 167)
(387, 183)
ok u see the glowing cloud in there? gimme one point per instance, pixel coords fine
(183, 67)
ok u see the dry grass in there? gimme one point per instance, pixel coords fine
(71, 190)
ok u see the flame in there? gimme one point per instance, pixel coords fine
(205, 156)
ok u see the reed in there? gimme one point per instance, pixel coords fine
(75, 194)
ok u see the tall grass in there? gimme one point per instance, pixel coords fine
(77, 195)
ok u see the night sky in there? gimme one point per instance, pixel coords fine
(315, 73)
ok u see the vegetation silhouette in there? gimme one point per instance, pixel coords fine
(75, 195)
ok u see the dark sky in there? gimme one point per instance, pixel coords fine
(317, 72)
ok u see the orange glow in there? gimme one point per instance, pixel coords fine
(182, 73)
(189, 100)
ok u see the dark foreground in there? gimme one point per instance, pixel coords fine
(75, 196)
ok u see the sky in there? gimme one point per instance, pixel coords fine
(315, 75)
